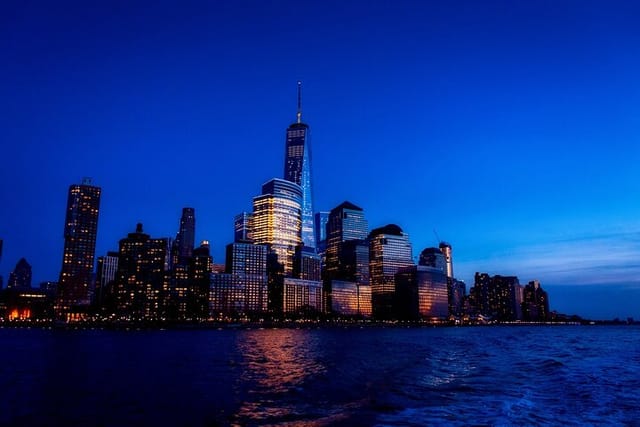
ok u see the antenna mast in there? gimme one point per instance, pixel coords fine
(299, 114)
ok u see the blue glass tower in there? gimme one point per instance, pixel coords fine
(297, 169)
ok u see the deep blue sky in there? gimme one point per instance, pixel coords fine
(510, 127)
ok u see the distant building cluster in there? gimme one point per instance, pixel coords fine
(285, 262)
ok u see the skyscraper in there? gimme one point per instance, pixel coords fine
(320, 225)
(183, 245)
(105, 276)
(142, 275)
(389, 250)
(80, 231)
(20, 277)
(277, 220)
(445, 248)
(297, 169)
(346, 222)
(243, 227)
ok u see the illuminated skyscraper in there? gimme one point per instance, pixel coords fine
(389, 250)
(422, 293)
(277, 220)
(142, 275)
(445, 248)
(247, 263)
(199, 277)
(297, 169)
(80, 231)
(346, 222)
(433, 257)
(243, 227)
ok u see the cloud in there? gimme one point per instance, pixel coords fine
(596, 258)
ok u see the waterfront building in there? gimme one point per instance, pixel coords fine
(495, 297)
(141, 282)
(106, 274)
(351, 299)
(297, 169)
(445, 248)
(227, 296)
(346, 222)
(200, 277)
(20, 277)
(80, 232)
(277, 220)
(248, 264)
(535, 304)
(389, 250)
(457, 294)
(422, 293)
(302, 297)
(307, 264)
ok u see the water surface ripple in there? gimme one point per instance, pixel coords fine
(502, 376)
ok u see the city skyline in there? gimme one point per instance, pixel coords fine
(536, 181)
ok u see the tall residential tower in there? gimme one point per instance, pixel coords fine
(80, 231)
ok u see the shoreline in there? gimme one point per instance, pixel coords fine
(217, 325)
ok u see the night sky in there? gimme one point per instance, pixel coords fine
(510, 128)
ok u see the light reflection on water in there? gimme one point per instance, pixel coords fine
(276, 363)
(334, 376)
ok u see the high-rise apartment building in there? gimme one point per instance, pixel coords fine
(142, 275)
(297, 169)
(495, 296)
(248, 264)
(199, 282)
(80, 231)
(277, 220)
(535, 304)
(389, 250)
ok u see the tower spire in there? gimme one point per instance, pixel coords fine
(299, 114)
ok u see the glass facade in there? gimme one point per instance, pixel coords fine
(350, 298)
(243, 227)
(346, 222)
(301, 295)
(277, 220)
(389, 250)
(105, 276)
(80, 231)
(422, 293)
(320, 225)
(248, 264)
(297, 169)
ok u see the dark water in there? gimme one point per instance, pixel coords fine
(445, 376)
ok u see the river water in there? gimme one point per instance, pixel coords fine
(556, 375)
